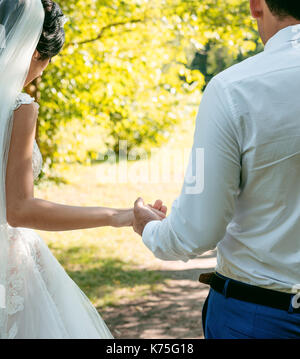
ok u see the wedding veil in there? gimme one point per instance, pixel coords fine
(21, 24)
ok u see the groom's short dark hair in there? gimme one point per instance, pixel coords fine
(285, 8)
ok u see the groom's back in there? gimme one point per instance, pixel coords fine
(265, 93)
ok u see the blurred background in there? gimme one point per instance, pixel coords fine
(132, 71)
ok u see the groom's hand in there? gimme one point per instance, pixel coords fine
(144, 214)
(159, 206)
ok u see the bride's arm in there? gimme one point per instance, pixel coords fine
(23, 210)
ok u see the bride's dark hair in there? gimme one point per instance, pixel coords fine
(53, 34)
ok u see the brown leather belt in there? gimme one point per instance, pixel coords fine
(249, 293)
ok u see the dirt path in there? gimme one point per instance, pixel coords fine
(172, 313)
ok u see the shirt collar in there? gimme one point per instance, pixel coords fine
(288, 34)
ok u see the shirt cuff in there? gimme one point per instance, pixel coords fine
(148, 233)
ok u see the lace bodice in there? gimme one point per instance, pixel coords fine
(37, 160)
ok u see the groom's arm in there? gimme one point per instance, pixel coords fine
(200, 215)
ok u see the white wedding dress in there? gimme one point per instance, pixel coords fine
(42, 300)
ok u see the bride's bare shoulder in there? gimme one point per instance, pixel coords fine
(27, 111)
(24, 120)
(25, 105)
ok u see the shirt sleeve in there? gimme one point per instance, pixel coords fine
(206, 205)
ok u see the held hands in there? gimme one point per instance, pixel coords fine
(138, 216)
(144, 214)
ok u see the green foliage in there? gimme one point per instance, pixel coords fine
(217, 57)
(126, 68)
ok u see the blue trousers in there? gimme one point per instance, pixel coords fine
(228, 318)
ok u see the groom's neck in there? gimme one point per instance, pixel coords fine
(274, 25)
(282, 25)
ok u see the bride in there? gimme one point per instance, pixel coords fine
(40, 299)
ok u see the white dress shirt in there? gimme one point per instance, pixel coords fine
(248, 125)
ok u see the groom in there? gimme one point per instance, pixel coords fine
(248, 128)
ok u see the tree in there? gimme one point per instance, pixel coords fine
(126, 69)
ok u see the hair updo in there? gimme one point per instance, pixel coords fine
(53, 34)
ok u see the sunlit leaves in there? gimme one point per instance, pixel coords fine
(125, 68)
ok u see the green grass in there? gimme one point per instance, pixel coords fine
(110, 264)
